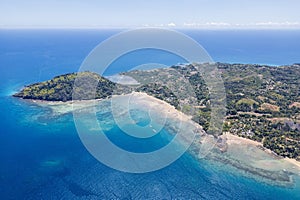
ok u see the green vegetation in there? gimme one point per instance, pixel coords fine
(263, 102)
(261, 105)
(159, 91)
(60, 88)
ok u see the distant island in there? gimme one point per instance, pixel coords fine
(263, 102)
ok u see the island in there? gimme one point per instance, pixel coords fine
(261, 126)
(263, 102)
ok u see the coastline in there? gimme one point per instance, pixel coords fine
(293, 161)
(250, 155)
(60, 107)
(234, 139)
(141, 98)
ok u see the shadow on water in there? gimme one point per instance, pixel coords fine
(57, 169)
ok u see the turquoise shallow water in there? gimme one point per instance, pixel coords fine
(42, 156)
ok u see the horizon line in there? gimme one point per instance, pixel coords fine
(162, 27)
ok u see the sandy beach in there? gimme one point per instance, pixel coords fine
(158, 105)
(248, 153)
(138, 98)
(235, 140)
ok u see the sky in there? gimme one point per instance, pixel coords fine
(140, 13)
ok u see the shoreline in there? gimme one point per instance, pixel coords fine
(293, 161)
(234, 140)
(141, 97)
(260, 144)
(250, 153)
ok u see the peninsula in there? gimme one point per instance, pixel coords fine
(262, 102)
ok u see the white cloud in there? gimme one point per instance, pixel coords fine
(193, 24)
(217, 24)
(171, 24)
(277, 24)
(250, 25)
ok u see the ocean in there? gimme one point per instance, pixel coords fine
(42, 156)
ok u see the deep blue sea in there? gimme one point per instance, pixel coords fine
(42, 156)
